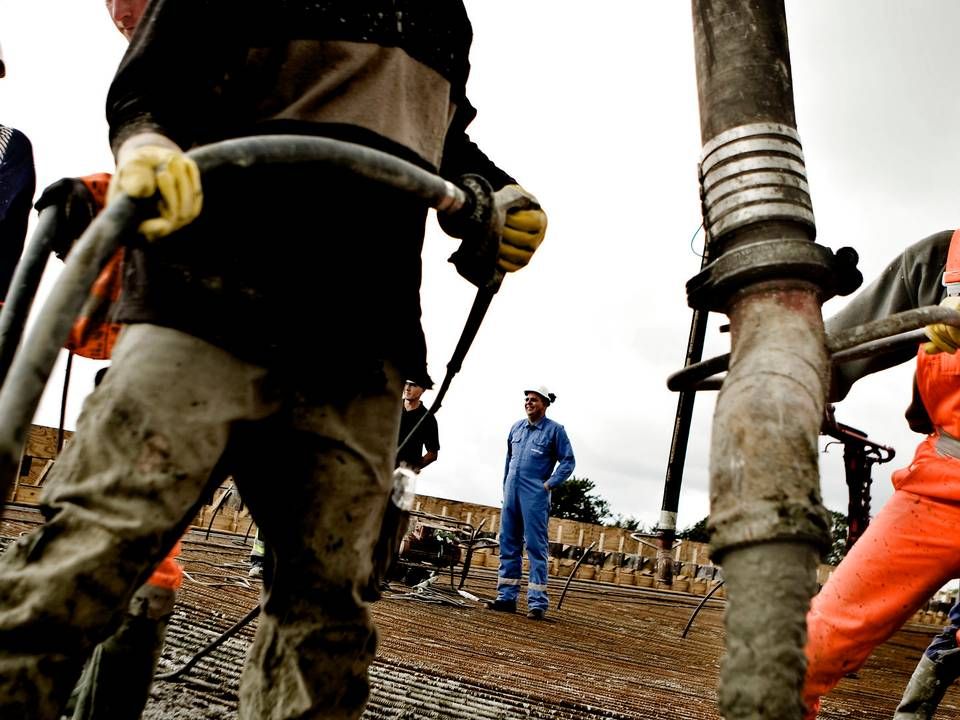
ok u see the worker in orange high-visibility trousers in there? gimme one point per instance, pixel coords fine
(910, 548)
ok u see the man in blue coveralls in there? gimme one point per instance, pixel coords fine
(539, 457)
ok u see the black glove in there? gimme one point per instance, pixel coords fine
(75, 210)
(475, 224)
(500, 230)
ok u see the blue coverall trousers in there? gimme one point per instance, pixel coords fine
(526, 511)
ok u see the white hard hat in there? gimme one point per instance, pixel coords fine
(542, 391)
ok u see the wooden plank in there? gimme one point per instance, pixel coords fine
(47, 467)
(28, 495)
(42, 441)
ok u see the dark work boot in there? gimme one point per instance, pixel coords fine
(927, 686)
(501, 605)
(116, 681)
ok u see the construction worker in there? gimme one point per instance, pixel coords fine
(539, 457)
(418, 446)
(909, 550)
(126, 15)
(422, 448)
(115, 682)
(258, 556)
(17, 185)
(215, 368)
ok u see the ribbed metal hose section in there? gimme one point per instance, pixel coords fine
(754, 173)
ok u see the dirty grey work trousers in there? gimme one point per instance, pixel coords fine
(173, 412)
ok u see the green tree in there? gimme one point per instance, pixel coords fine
(629, 523)
(838, 537)
(696, 532)
(575, 500)
(838, 534)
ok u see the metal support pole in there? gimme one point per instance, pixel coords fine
(667, 526)
(768, 525)
(63, 401)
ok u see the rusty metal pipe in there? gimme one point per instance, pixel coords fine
(768, 525)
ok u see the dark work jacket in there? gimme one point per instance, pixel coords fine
(17, 185)
(912, 280)
(281, 256)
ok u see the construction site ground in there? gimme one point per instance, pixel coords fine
(610, 652)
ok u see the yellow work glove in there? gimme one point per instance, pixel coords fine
(153, 169)
(524, 226)
(943, 338)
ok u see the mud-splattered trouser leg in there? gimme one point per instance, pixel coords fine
(907, 553)
(318, 497)
(118, 499)
(116, 681)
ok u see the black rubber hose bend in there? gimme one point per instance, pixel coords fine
(32, 364)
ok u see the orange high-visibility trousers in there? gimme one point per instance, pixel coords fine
(907, 553)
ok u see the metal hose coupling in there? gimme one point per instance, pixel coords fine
(754, 174)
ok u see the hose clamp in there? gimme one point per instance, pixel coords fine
(754, 173)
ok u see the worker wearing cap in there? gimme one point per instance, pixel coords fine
(116, 680)
(17, 184)
(419, 449)
(539, 457)
(909, 549)
(418, 446)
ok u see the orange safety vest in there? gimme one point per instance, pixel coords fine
(93, 333)
(935, 470)
(169, 573)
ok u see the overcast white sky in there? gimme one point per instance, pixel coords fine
(596, 112)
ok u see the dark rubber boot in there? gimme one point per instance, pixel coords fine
(501, 605)
(116, 681)
(927, 686)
